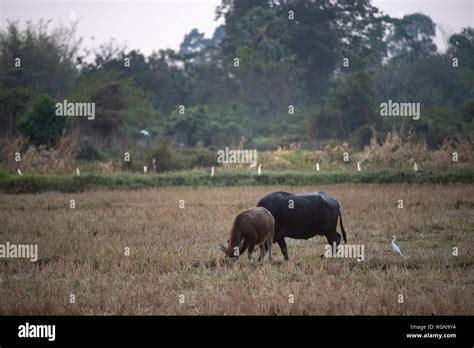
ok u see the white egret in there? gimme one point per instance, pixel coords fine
(19, 172)
(317, 166)
(259, 169)
(145, 132)
(212, 171)
(78, 172)
(395, 247)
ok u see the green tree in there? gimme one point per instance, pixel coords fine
(13, 103)
(38, 57)
(412, 37)
(350, 104)
(159, 74)
(190, 127)
(317, 38)
(461, 46)
(122, 109)
(40, 124)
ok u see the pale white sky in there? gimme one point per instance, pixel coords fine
(143, 25)
(449, 15)
(157, 24)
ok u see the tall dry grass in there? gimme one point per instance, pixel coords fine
(394, 152)
(174, 252)
(41, 159)
(397, 152)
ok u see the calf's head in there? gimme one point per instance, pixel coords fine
(232, 249)
(234, 243)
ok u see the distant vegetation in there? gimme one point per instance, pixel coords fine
(296, 75)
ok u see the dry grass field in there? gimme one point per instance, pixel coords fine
(174, 256)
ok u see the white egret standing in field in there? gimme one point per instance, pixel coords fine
(317, 166)
(78, 172)
(212, 171)
(358, 166)
(145, 132)
(395, 247)
(259, 169)
(19, 172)
(415, 167)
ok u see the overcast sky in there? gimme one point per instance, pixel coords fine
(156, 24)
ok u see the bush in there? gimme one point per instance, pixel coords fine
(166, 158)
(362, 136)
(88, 152)
(40, 159)
(395, 152)
(40, 123)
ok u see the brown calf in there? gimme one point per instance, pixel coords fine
(251, 227)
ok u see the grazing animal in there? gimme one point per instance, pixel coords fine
(253, 227)
(396, 248)
(302, 216)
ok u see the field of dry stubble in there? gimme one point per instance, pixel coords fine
(174, 256)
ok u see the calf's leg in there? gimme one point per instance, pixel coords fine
(243, 246)
(269, 250)
(262, 252)
(251, 247)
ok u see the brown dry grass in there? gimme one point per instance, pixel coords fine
(173, 252)
(397, 152)
(40, 159)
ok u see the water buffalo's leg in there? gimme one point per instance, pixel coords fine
(338, 238)
(333, 238)
(284, 249)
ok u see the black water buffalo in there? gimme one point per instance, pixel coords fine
(302, 216)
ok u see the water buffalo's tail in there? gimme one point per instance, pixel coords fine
(342, 227)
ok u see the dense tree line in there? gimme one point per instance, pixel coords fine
(276, 72)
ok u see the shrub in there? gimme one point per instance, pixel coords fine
(166, 158)
(463, 146)
(394, 152)
(89, 152)
(40, 124)
(41, 159)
